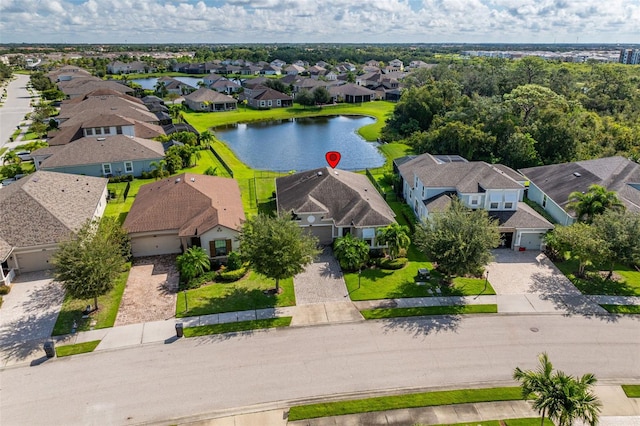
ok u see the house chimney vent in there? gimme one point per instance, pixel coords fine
(178, 180)
(101, 139)
(319, 173)
(576, 174)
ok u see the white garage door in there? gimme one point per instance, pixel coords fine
(153, 246)
(531, 241)
(36, 261)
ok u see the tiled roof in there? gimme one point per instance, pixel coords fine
(186, 203)
(465, 177)
(347, 198)
(46, 207)
(96, 150)
(613, 173)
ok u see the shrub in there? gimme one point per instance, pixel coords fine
(4, 289)
(121, 178)
(146, 175)
(397, 263)
(233, 261)
(197, 282)
(231, 276)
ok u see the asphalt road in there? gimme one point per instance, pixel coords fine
(158, 382)
(15, 107)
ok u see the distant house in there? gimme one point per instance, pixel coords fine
(294, 69)
(351, 93)
(265, 97)
(176, 87)
(270, 70)
(79, 86)
(103, 156)
(187, 210)
(550, 186)
(330, 203)
(138, 67)
(430, 181)
(41, 210)
(205, 99)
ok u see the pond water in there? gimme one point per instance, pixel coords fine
(301, 143)
(150, 83)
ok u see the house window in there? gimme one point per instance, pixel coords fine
(106, 130)
(128, 167)
(98, 130)
(89, 132)
(493, 205)
(474, 201)
(544, 201)
(508, 205)
(119, 130)
(106, 169)
(220, 247)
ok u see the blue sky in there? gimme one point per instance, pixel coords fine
(331, 21)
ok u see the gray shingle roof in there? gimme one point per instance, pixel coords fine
(523, 218)
(95, 150)
(207, 95)
(613, 173)
(470, 177)
(46, 207)
(347, 198)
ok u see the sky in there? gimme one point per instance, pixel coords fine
(320, 21)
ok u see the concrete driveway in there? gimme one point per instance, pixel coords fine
(527, 281)
(28, 315)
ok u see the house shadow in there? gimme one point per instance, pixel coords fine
(571, 303)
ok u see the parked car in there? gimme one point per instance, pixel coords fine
(24, 155)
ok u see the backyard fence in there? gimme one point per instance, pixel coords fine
(225, 165)
(126, 190)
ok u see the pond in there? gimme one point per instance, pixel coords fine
(150, 83)
(301, 143)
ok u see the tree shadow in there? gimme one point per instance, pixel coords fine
(422, 326)
(236, 299)
(554, 289)
(23, 337)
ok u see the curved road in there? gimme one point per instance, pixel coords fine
(187, 377)
(15, 107)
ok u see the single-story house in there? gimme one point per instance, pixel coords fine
(550, 186)
(351, 93)
(103, 156)
(331, 203)
(205, 99)
(265, 97)
(41, 210)
(173, 214)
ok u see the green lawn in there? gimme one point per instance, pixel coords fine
(385, 403)
(105, 317)
(622, 309)
(78, 348)
(528, 421)
(243, 295)
(429, 310)
(632, 391)
(233, 327)
(594, 283)
(380, 110)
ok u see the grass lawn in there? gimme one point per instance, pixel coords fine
(243, 295)
(632, 391)
(78, 348)
(104, 317)
(380, 110)
(594, 283)
(385, 403)
(232, 327)
(622, 309)
(528, 421)
(429, 310)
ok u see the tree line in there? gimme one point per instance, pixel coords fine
(520, 113)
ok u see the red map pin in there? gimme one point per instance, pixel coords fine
(333, 158)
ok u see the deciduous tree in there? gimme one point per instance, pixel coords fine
(276, 247)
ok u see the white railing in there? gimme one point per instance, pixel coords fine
(9, 277)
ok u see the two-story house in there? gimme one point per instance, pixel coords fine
(430, 181)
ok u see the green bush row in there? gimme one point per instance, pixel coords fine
(121, 178)
(397, 263)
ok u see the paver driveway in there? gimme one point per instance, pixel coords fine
(28, 315)
(528, 281)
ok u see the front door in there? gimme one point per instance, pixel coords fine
(506, 240)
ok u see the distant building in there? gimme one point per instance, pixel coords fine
(630, 56)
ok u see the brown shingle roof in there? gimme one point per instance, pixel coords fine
(347, 198)
(186, 203)
(207, 95)
(46, 207)
(95, 150)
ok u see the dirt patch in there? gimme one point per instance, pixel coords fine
(151, 289)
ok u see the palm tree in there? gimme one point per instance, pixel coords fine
(351, 253)
(161, 89)
(559, 396)
(593, 202)
(193, 263)
(158, 168)
(11, 157)
(206, 139)
(396, 237)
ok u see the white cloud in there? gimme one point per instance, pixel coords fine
(211, 21)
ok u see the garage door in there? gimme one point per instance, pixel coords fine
(531, 241)
(36, 261)
(153, 246)
(323, 233)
